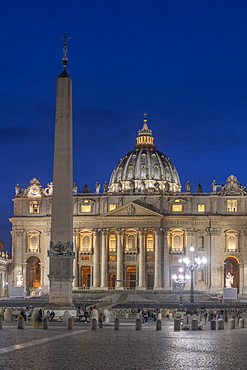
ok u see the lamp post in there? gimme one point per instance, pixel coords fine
(180, 279)
(194, 263)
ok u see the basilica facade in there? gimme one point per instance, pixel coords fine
(132, 232)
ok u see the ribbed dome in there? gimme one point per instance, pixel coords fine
(144, 169)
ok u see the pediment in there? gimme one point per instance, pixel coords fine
(132, 209)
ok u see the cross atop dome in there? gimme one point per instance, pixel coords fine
(145, 135)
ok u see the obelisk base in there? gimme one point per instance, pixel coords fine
(61, 290)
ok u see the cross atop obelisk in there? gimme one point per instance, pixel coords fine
(61, 246)
(65, 50)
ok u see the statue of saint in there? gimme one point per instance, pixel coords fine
(17, 189)
(214, 186)
(75, 187)
(97, 187)
(229, 280)
(19, 279)
(105, 187)
(188, 186)
(49, 188)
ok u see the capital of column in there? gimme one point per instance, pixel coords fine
(142, 231)
(158, 230)
(96, 232)
(120, 231)
(19, 232)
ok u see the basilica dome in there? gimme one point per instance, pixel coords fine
(144, 169)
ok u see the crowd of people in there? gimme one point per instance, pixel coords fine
(148, 315)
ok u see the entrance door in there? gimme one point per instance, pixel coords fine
(231, 273)
(112, 281)
(130, 277)
(150, 281)
(33, 272)
(85, 276)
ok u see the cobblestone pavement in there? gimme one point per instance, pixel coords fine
(82, 348)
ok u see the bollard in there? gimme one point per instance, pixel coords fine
(241, 323)
(94, 324)
(213, 325)
(1, 322)
(220, 324)
(70, 323)
(158, 324)
(177, 324)
(138, 324)
(232, 324)
(116, 324)
(159, 316)
(7, 315)
(45, 323)
(20, 322)
(194, 324)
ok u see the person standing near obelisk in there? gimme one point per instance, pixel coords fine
(61, 246)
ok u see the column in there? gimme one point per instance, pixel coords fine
(241, 278)
(96, 258)
(104, 262)
(213, 259)
(119, 282)
(142, 284)
(75, 262)
(243, 249)
(46, 242)
(18, 253)
(167, 235)
(157, 260)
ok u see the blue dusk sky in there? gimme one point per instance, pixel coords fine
(183, 62)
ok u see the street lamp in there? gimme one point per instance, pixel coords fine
(180, 279)
(193, 264)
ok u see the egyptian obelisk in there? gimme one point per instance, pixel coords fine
(61, 245)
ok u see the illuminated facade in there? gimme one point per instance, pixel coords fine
(131, 235)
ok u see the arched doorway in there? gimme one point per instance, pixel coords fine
(130, 277)
(231, 272)
(33, 278)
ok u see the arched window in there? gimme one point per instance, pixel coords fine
(131, 242)
(86, 243)
(33, 241)
(177, 237)
(112, 243)
(150, 243)
(231, 240)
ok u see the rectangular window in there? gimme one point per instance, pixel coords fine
(34, 207)
(113, 258)
(86, 208)
(201, 208)
(150, 258)
(85, 258)
(231, 205)
(177, 208)
(112, 207)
